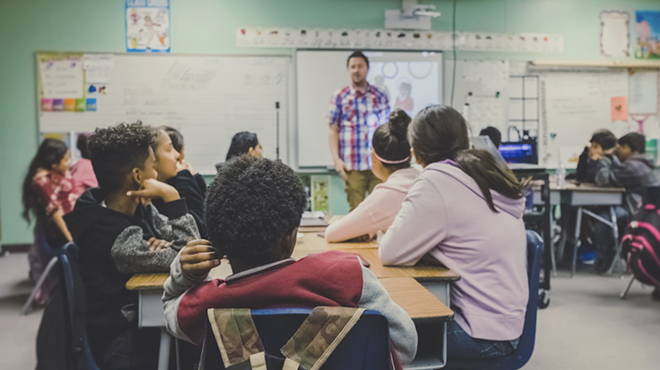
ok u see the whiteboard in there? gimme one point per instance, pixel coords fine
(483, 85)
(208, 98)
(319, 73)
(574, 105)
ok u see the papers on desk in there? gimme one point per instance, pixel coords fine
(313, 219)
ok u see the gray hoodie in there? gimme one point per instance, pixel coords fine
(633, 174)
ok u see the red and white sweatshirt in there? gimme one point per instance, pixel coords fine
(332, 278)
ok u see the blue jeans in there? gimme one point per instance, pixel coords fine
(461, 345)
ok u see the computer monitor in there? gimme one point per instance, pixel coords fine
(519, 152)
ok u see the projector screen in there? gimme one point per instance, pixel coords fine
(412, 80)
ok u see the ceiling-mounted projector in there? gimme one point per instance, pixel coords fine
(411, 16)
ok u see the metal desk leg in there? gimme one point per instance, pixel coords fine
(164, 354)
(625, 290)
(553, 258)
(617, 245)
(578, 225)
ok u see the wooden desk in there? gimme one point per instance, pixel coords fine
(418, 302)
(422, 274)
(422, 306)
(580, 196)
(313, 242)
(423, 292)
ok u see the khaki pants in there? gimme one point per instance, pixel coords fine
(357, 185)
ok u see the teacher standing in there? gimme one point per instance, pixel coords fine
(354, 114)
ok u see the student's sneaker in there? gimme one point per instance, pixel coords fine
(587, 257)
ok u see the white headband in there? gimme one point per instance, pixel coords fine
(390, 162)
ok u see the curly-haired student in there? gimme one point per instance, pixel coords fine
(253, 210)
(118, 236)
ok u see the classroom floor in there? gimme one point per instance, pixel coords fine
(586, 326)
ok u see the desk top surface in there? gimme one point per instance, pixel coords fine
(585, 187)
(312, 241)
(311, 244)
(416, 300)
(370, 255)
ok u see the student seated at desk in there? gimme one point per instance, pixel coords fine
(118, 236)
(242, 143)
(603, 143)
(173, 170)
(48, 195)
(391, 164)
(465, 211)
(245, 143)
(179, 145)
(253, 210)
(493, 134)
(629, 169)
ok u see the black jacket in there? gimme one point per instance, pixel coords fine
(113, 248)
(586, 169)
(190, 189)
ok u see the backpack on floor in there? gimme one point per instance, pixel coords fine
(641, 245)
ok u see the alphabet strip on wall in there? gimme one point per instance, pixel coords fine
(393, 39)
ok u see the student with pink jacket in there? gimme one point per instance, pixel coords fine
(391, 164)
(465, 211)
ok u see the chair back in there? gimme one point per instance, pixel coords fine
(41, 252)
(365, 347)
(76, 308)
(523, 353)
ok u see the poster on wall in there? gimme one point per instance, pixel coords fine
(614, 34)
(648, 34)
(148, 26)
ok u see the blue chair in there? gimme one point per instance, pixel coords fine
(523, 353)
(42, 258)
(76, 309)
(365, 347)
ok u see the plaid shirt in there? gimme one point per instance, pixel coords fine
(357, 115)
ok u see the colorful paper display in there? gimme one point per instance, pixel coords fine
(61, 76)
(58, 105)
(46, 105)
(648, 34)
(91, 104)
(81, 105)
(147, 26)
(69, 105)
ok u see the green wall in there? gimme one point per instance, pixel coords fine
(208, 27)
